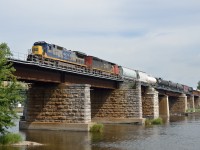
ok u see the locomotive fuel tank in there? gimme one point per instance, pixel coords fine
(127, 73)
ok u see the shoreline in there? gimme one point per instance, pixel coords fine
(27, 143)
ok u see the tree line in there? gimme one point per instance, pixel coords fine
(9, 93)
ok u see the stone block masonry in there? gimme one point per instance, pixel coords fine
(190, 103)
(122, 104)
(150, 103)
(163, 106)
(197, 102)
(178, 105)
(59, 104)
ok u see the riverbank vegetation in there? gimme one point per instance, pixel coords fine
(97, 128)
(157, 121)
(10, 138)
(10, 96)
(193, 110)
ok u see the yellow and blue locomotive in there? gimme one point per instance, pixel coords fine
(43, 50)
(55, 55)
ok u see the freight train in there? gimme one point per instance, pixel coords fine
(61, 57)
(55, 55)
(173, 86)
(158, 83)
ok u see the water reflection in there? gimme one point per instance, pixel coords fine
(178, 133)
(60, 140)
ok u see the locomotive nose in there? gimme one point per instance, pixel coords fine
(37, 50)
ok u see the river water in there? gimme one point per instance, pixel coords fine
(179, 133)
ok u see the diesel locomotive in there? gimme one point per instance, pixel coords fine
(44, 52)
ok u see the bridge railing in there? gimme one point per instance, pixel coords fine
(19, 55)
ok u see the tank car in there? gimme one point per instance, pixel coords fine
(172, 85)
(162, 83)
(146, 78)
(127, 73)
(180, 87)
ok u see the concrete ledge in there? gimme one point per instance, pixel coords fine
(54, 126)
(140, 121)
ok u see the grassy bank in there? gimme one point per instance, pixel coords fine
(157, 121)
(10, 138)
(97, 128)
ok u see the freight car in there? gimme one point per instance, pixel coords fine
(146, 78)
(127, 73)
(187, 89)
(101, 66)
(172, 86)
(143, 77)
(58, 56)
(169, 85)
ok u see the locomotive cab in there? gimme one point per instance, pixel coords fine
(39, 48)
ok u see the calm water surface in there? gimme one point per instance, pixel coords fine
(180, 133)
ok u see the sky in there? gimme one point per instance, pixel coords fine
(159, 37)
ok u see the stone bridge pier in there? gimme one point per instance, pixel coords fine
(190, 103)
(121, 105)
(58, 107)
(150, 103)
(164, 106)
(177, 104)
(197, 102)
(77, 106)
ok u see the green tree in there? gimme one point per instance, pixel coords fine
(9, 90)
(198, 86)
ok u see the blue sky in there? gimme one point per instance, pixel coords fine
(158, 37)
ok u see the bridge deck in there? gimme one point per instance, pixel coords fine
(30, 71)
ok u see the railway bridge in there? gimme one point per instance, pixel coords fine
(71, 99)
